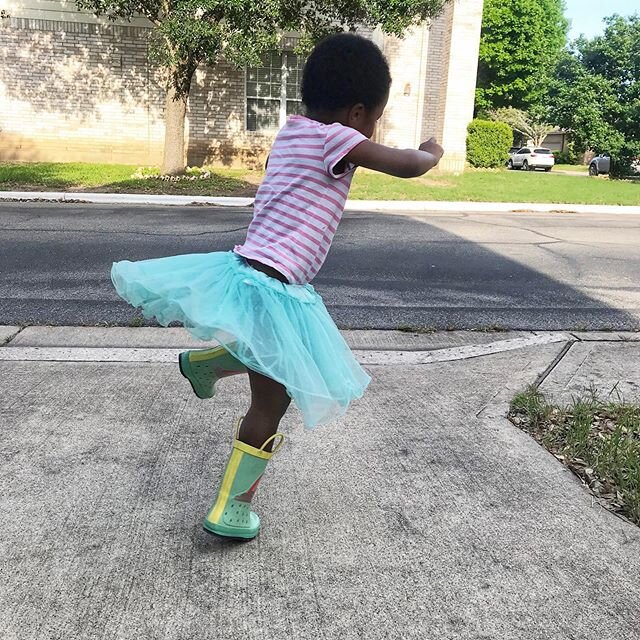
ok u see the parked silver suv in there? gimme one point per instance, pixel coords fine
(600, 164)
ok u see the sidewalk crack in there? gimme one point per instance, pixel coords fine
(556, 361)
(10, 338)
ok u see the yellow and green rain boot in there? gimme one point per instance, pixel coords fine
(231, 514)
(204, 367)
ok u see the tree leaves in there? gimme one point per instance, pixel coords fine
(596, 90)
(188, 32)
(520, 45)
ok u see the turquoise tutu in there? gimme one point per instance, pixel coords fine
(280, 330)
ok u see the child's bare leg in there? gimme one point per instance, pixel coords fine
(269, 403)
(231, 513)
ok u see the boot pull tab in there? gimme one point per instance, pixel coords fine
(272, 438)
(237, 433)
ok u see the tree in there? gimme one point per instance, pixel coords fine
(187, 33)
(520, 45)
(596, 91)
(580, 103)
(524, 123)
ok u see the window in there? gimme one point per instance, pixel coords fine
(273, 90)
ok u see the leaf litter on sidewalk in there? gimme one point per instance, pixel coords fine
(599, 440)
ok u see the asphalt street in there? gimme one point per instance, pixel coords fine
(432, 270)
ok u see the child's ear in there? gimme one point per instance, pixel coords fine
(356, 114)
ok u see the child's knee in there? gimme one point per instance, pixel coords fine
(274, 405)
(280, 404)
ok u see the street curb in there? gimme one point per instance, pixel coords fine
(123, 198)
(400, 206)
(485, 207)
(369, 357)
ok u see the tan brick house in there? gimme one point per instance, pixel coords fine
(76, 88)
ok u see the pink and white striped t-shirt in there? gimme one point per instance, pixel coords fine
(301, 200)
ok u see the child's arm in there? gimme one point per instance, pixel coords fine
(403, 163)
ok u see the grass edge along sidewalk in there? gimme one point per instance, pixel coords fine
(472, 186)
(598, 440)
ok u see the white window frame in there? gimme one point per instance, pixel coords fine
(282, 115)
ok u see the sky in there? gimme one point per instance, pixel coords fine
(586, 15)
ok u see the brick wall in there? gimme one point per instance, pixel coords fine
(74, 91)
(434, 70)
(462, 43)
(437, 60)
(78, 91)
(400, 125)
(216, 120)
(76, 88)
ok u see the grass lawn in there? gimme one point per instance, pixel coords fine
(474, 185)
(117, 178)
(574, 168)
(598, 440)
(498, 185)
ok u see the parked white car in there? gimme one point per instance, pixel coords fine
(531, 159)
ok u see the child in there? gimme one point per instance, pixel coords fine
(256, 301)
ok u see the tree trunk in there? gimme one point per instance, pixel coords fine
(173, 161)
(178, 86)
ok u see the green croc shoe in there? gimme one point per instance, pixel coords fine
(204, 367)
(231, 514)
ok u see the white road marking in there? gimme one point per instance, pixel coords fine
(92, 354)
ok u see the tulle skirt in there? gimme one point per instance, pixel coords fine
(280, 330)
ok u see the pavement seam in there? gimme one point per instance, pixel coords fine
(554, 363)
(12, 336)
(616, 338)
(577, 369)
(497, 407)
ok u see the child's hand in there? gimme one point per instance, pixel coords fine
(431, 146)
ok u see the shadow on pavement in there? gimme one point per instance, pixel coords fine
(383, 271)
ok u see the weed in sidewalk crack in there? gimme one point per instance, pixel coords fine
(597, 438)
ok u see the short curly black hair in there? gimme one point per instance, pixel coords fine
(343, 70)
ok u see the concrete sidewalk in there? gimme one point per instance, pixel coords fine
(423, 514)
(397, 206)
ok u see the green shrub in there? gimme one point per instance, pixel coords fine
(488, 143)
(566, 157)
(621, 163)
